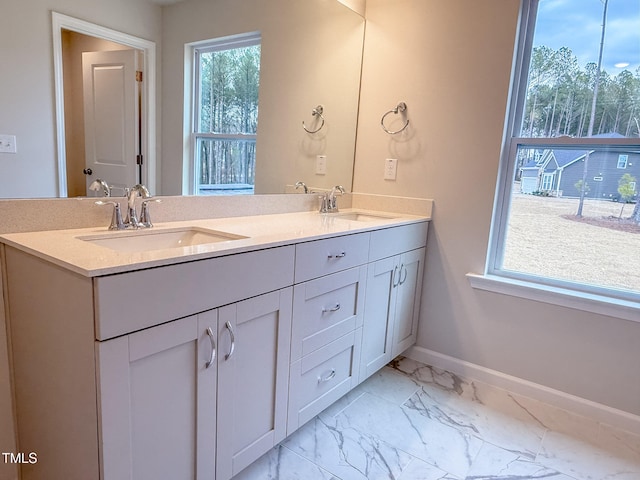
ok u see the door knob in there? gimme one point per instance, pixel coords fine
(87, 171)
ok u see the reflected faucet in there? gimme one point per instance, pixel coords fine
(97, 184)
(131, 194)
(303, 185)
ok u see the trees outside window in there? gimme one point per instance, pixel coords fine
(227, 79)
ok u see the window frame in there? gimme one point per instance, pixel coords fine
(194, 50)
(506, 175)
(625, 159)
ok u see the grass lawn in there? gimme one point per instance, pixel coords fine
(544, 239)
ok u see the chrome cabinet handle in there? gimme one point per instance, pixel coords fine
(332, 309)
(406, 272)
(233, 341)
(332, 374)
(213, 348)
(337, 255)
(393, 277)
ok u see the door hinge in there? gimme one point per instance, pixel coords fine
(139, 159)
(138, 76)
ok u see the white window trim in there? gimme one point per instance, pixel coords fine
(624, 165)
(569, 294)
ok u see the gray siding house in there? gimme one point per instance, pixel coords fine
(556, 172)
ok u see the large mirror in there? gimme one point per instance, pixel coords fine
(311, 53)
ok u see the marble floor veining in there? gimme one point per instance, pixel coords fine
(414, 422)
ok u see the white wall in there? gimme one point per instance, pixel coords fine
(450, 61)
(26, 93)
(311, 53)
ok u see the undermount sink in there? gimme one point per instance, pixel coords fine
(147, 240)
(362, 217)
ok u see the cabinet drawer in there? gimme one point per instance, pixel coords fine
(322, 257)
(322, 377)
(325, 309)
(132, 301)
(393, 241)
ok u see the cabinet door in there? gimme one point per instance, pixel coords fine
(409, 287)
(157, 402)
(253, 374)
(379, 311)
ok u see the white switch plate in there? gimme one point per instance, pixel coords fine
(8, 144)
(321, 165)
(390, 168)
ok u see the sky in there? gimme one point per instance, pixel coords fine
(577, 24)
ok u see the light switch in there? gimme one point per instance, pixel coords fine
(8, 144)
(321, 165)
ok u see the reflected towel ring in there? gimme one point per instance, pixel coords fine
(316, 112)
(400, 108)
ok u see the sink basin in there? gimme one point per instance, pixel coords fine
(146, 240)
(362, 217)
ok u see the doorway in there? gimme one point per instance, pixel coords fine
(71, 38)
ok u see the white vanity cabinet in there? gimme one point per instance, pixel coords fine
(193, 370)
(393, 292)
(197, 398)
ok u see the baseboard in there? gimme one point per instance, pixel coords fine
(597, 411)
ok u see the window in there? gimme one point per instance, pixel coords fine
(622, 161)
(573, 123)
(226, 81)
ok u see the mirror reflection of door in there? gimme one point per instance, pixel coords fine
(102, 108)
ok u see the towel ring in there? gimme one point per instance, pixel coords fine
(316, 112)
(400, 108)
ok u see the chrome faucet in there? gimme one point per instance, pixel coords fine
(131, 194)
(329, 202)
(97, 184)
(303, 185)
(333, 202)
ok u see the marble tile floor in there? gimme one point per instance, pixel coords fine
(414, 422)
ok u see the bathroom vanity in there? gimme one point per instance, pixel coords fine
(146, 359)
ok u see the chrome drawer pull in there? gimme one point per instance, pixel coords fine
(328, 377)
(337, 255)
(213, 348)
(333, 309)
(233, 341)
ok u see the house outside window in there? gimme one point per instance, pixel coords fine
(622, 161)
(571, 127)
(225, 114)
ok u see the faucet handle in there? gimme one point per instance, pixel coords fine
(116, 217)
(325, 202)
(145, 217)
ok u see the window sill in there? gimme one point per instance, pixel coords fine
(600, 304)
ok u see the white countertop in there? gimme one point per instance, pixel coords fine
(66, 249)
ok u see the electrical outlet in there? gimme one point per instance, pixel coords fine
(8, 144)
(390, 168)
(321, 165)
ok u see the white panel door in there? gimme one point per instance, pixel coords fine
(111, 116)
(253, 376)
(158, 402)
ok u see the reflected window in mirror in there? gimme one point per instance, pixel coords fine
(225, 108)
